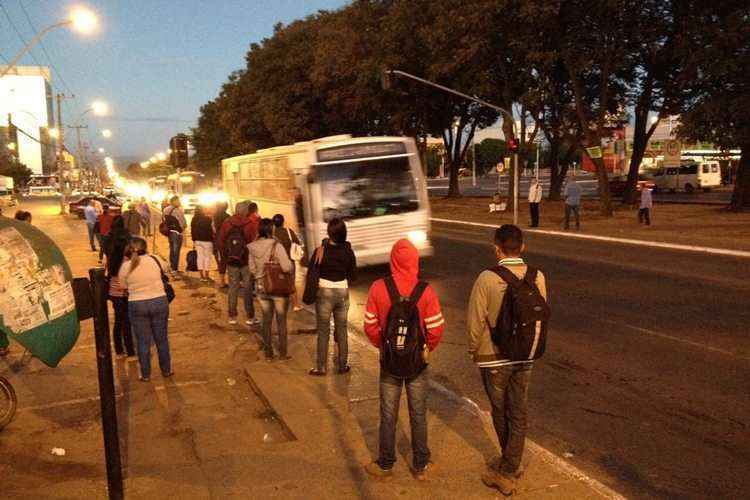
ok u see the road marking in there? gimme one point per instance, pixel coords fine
(627, 241)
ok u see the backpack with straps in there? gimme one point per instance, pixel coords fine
(521, 328)
(403, 338)
(236, 245)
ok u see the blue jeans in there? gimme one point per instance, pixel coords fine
(148, 321)
(90, 228)
(103, 244)
(508, 389)
(175, 244)
(332, 301)
(575, 209)
(390, 397)
(240, 277)
(279, 306)
(121, 332)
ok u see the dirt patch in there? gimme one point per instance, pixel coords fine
(701, 225)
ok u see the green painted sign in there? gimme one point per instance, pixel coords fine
(37, 306)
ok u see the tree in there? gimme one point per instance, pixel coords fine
(11, 167)
(489, 152)
(720, 54)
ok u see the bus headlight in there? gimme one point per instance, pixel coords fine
(417, 237)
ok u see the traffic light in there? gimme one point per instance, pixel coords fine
(178, 151)
(513, 145)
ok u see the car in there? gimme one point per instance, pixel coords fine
(617, 184)
(76, 207)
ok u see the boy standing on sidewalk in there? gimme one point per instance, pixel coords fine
(647, 203)
(403, 285)
(572, 202)
(506, 382)
(535, 197)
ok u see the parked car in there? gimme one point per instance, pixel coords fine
(689, 177)
(617, 184)
(76, 207)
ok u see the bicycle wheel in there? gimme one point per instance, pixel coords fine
(7, 402)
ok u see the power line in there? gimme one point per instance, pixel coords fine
(44, 49)
(18, 32)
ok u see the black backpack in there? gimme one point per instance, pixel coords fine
(236, 245)
(171, 222)
(521, 329)
(403, 339)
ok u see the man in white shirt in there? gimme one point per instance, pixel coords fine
(535, 197)
(647, 202)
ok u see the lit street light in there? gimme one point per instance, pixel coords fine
(80, 19)
(106, 133)
(101, 150)
(54, 133)
(161, 156)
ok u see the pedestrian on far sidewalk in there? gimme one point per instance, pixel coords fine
(119, 239)
(132, 220)
(220, 215)
(338, 268)
(535, 198)
(144, 210)
(506, 381)
(647, 203)
(414, 329)
(202, 233)
(148, 307)
(89, 213)
(237, 232)
(572, 202)
(105, 224)
(174, 217)
(261, 252)
(288, 239)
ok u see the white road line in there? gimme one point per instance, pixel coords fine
(627, 241)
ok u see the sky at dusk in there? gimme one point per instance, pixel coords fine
(155, 62)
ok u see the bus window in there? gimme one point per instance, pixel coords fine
(706, 168)
(714, 168)
(671, 171)
(689, 169)
(367, 188)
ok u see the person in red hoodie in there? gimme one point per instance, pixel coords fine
(404, 271)
(234, 252)
(105, 224)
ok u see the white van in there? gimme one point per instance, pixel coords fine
(688, 177)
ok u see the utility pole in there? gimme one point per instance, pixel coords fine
(79, 145)
(60, 148)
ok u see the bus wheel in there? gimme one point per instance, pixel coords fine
(689, 188)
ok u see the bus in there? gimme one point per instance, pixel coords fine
(188, 185)
(157, 188)
(376, 184)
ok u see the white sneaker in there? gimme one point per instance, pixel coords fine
(252, 322)
(232, 321)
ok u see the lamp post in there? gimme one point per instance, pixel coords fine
(80, 19)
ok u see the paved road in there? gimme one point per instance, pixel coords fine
(646, 377)
(486, 186)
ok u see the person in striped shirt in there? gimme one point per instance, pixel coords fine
(506, 382)
(405, 270)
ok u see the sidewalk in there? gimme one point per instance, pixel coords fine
(230, 425)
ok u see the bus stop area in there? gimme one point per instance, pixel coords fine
(230, 425)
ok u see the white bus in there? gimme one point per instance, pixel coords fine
(376, 184)
(188, 186)
(689, 176)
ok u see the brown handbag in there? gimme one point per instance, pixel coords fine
(275, 281)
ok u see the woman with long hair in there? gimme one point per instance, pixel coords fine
(119, 238)
(202, 232)
(286, 237)
(148, 307)
(337, 270)
(261, 252)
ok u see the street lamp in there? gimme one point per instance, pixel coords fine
(80, 19)
(101, 150)
(161, 156)
(54, 133)
(106, 133)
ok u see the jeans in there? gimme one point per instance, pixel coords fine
(644, 213)
(240, 276)
(279, 306)
(121, 330)
(175, 244)
(90, 228)
(534, 208)
(507, 388)
(390, 397)
(148, 320)
(146, 226)
(332, 301)
(103, 243)
(576, 210)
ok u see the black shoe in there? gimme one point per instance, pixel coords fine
(345, 369)
(316, 373)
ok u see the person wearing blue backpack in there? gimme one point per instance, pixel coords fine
(507, 326)
(404, 320)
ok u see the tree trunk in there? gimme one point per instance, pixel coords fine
(557, 177)
(741, 195)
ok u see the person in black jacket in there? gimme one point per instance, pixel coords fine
(337, 269)
(220, 215)
(202, 232)
(119, 239)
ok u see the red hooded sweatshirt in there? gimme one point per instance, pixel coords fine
(404, 269)
(250, 223)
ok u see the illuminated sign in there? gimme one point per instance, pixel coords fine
(365, 150)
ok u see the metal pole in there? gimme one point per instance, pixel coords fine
(473, 162)
(106, 384)
(537, 161)
(515, 188)
(28, 46)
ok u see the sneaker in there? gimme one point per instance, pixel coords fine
(496, 462)
(252, 322)
(285, 358)
(167, 375)
(424, 473)
(494, 479)
(232, 321)
(144, 379)
(374, 470)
